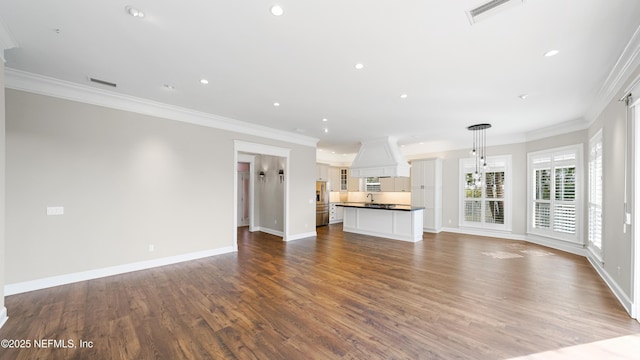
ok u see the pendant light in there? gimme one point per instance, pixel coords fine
(479, 151)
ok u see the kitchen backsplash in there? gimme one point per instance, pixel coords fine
(403, 198)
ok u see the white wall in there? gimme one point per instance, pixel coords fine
(2, 195)
(125, 180)
(617, 244)
(271, 193)
(451, 191)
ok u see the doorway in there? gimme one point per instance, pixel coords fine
(244, 176)
(246, 150)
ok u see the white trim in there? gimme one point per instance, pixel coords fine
(17, 288)
(271, 231)
(635, 260)
(3, 316)
(557, 129)
(251, 159)
(302, 236)
(578, 149)
(558, 244)
(627, 62)
(24, 81)
(617, 291)
(239, 147)
(485, 232)
(6, 41)
(464, 166)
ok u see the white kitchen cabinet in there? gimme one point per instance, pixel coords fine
(387, 184)
(336, 213)
(397, 184)
(353, 183)
(334, 178)
(344, 179)
(402, 183)
(426, 191)
(322, 172)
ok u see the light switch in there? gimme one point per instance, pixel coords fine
(55, 210)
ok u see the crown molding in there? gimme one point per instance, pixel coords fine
(559, 129)
(6, 41)
(627, 63)
(43, 85)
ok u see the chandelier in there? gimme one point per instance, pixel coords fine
(479, 151)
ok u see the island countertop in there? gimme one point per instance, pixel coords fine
(379, 206)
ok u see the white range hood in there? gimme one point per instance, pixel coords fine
(379, 158)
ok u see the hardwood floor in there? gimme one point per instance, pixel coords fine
(340, 296)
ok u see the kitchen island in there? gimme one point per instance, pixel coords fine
(398, 222)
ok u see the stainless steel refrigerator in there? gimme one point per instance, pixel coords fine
(322, 203)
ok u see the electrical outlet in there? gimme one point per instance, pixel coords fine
(618, 270)
(152, 248)
(55, 210)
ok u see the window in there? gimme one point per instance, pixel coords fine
(486, 204)
(595, 194)
(372, 184)
(553, 193)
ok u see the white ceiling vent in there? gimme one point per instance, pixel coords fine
(490, 8)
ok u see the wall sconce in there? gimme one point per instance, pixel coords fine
(261, 174)
(281, 174)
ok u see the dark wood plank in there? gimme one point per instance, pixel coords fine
(338, 296)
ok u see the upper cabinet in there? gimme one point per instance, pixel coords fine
(353, 183)
(322, 172)
(338, 178)
(334, 179)
(397, 184)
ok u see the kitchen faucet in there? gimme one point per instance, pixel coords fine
(371, 196)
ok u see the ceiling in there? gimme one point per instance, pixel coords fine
(454, 74)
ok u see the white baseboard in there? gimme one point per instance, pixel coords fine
(3, 316)
(613, 285)
(17, 288)
(483, 232)
(432, 231)
(302, 236)
(573, 248)
(271, 231)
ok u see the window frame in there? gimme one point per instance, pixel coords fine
(595, 196)
(555, 162)
(501, 163)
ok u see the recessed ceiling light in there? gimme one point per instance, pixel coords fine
(523, 96)
(276, 104)
(403, 96)
(324, 120)
(326, 130)
(551, 53)
(204, 81)
(277, 10)
(359, 66)
(134, 12)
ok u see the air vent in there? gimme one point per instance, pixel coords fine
(490, 8)
(102, 82)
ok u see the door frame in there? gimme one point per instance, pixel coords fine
(635, 260)
(250, 159)
(242, 148)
